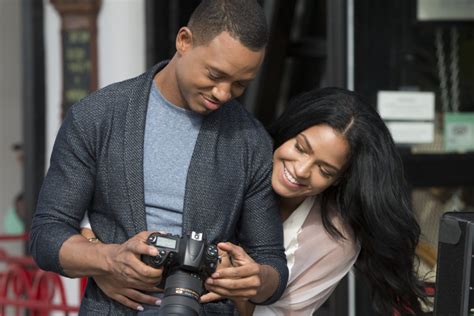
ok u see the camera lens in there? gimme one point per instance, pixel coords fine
(181, 294)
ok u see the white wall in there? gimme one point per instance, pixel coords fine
(121, 55)
(121, 40)
(10, 102)
(121, 52)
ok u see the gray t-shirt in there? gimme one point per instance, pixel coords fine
(170, 137)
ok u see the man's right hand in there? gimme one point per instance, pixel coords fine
(118, 291)
(124, 263)
(117, 268)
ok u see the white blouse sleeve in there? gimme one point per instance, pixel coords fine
(318, 263)
(85, 223)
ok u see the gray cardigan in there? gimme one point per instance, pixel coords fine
(97, 165)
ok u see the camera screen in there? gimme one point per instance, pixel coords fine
(165, 242)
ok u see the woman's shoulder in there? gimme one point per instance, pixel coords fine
(317, 261)
(314, 229)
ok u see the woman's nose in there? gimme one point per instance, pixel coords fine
(303, 168)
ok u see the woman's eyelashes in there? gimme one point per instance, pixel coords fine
(325, 173)
(299, 148)
(322, 169)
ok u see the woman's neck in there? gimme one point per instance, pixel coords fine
(288, 206)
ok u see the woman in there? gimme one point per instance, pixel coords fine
(343, 201)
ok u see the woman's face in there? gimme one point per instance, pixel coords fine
(309, 163)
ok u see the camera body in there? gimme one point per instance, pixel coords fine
(186, 261)
(189, 253)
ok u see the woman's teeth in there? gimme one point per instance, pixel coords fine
(290, 177)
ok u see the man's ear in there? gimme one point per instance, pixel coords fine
(184, 40)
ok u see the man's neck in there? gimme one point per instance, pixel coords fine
(165, 81)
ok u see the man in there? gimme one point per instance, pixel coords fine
(168, 151)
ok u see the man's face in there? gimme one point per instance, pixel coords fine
(211, 74)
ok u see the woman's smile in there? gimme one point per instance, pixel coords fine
(290, 178)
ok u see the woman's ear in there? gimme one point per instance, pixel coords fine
(184, 40)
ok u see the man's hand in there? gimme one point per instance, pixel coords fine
(244, 280)
(118, 291)
(124, 263)
(124, 287)
(80, 258)
(224, 262)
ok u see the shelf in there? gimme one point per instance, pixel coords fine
(429, 170)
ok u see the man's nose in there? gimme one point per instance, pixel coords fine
(222, 92)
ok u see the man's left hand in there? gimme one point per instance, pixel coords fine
(244, 279)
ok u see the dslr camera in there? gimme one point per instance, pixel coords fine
(187, 262)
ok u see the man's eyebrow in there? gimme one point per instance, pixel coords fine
(218, 71)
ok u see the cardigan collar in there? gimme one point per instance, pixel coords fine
(133, 143)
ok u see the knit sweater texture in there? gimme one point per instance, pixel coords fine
(97, 165)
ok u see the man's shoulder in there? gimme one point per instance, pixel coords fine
(237, 116)
(113, 98)
(110, 94)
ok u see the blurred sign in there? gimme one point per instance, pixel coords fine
(411, 132)
(77, 70)
(79, 48)
(409, 115)
(445, 10)
(406, 105)
(459, 132)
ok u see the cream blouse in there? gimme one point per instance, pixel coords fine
(316, 261)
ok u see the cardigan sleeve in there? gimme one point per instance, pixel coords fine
(65, 195)
(261, 230)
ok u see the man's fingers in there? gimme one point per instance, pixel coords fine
(210, 297)
(138, 272)
(236, 253)
(234, 284)
(233, 250)
(128, 302)
(139, 246)
(237, 272)
(240, 293)
(145, 283)
(147, 287)
(140, 297)
(134, 279)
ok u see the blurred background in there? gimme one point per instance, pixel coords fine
(412, 59)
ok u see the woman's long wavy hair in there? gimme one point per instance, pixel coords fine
(371, 196)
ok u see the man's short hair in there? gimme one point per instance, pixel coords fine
(244, 20)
